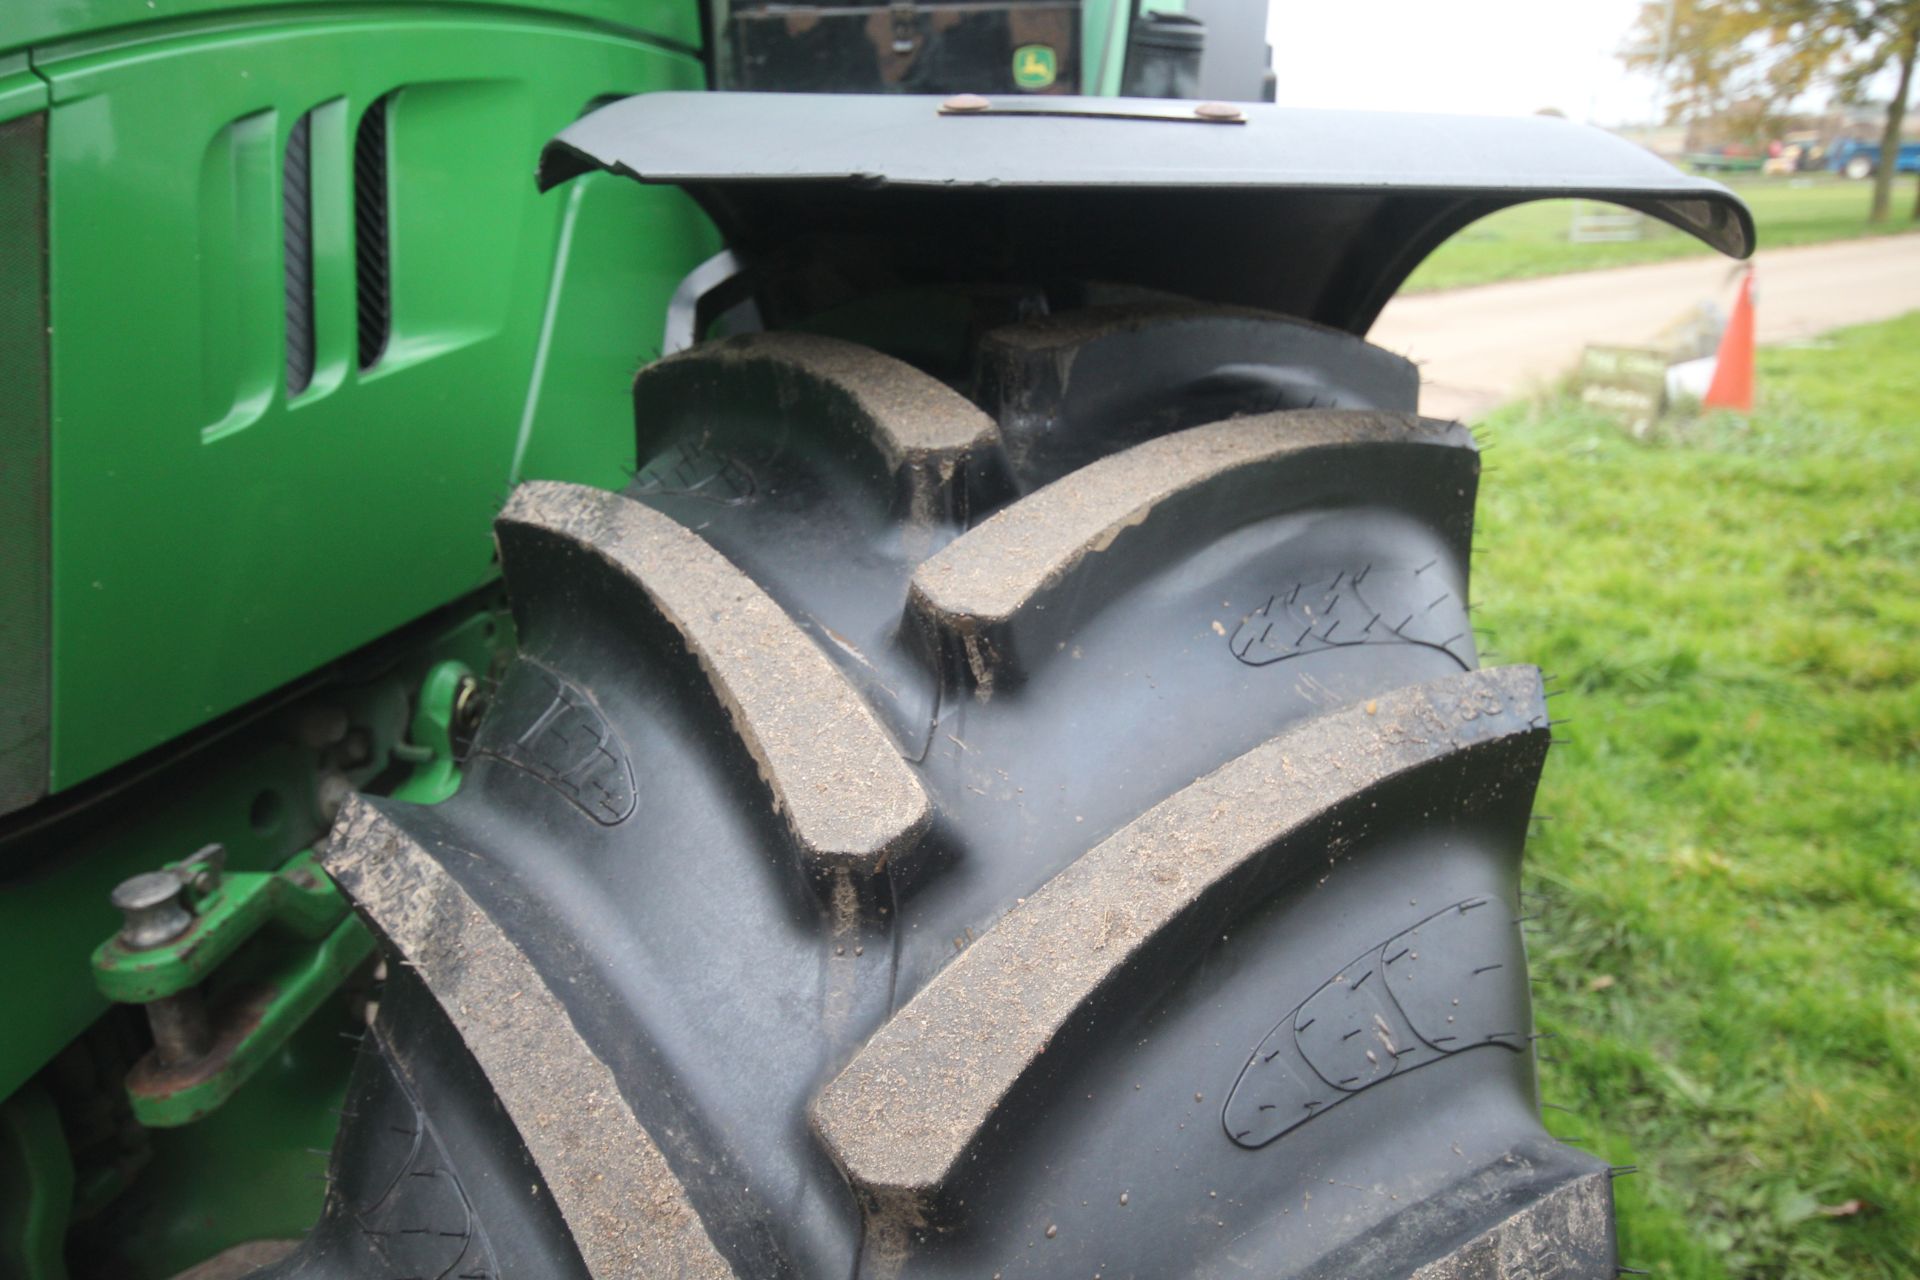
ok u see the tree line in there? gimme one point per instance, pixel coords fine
(1754, 58)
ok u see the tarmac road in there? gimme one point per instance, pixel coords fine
(1481, 346)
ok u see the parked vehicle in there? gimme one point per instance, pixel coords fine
(1727, 159)
(1801, 151)
(1857, 158)
(974, 761)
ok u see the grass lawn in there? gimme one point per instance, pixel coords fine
(1729, 948)
(1531, 239)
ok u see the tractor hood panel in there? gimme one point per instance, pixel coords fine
(1318, 214)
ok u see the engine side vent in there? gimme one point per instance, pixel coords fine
(372, 276)
(296, 188)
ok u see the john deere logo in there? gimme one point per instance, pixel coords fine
(1034, 66)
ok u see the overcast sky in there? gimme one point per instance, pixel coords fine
(1479, 57)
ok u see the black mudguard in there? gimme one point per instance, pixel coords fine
(1315, 214)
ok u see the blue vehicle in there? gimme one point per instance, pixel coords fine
(1857, 159)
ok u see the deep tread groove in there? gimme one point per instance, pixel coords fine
(978, 588)
(921, 430)
(902, 1115)
(1075, 386)
(848, 798)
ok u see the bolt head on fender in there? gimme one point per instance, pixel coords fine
(1224, 112)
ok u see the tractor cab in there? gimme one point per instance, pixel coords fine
(1196, 49)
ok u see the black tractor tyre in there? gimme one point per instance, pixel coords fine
(1057, 830)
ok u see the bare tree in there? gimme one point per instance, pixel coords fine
(1753, 58)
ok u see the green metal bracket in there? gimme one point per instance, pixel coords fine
(215, 1023)
(298, 897)
(211, 1037)
(446, 697)
(251, 1025)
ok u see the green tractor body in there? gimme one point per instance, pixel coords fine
(284, 319)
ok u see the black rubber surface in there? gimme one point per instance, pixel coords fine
(616, 827)
(429, 1177)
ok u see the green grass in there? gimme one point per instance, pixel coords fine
(1730, 950)
(1531, 239)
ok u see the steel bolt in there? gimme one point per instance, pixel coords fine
(151, 911)
(321, 727)
(180, 1029)
(355, 749)
(1225, 111)
(964, 104)
(331, 792)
